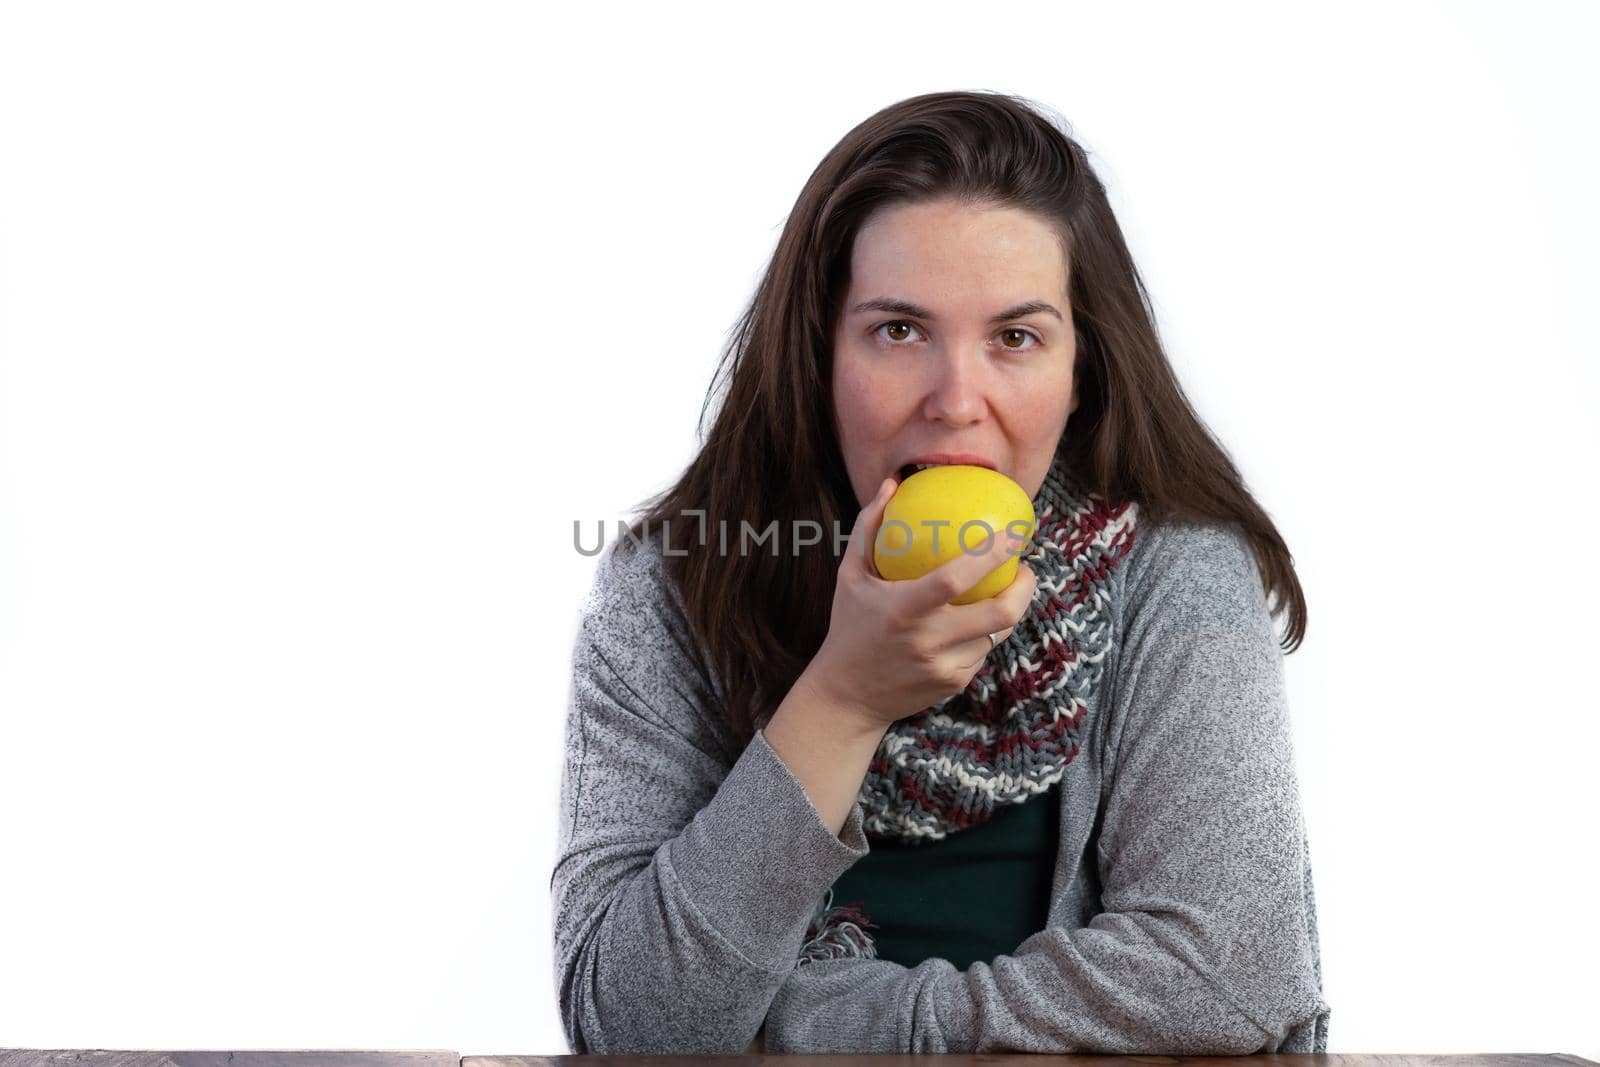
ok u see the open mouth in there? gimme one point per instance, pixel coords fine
(911, 468)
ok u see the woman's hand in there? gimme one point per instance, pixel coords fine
(894, 648)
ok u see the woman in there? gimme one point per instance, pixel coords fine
(840, 814)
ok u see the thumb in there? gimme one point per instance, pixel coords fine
(865, 533)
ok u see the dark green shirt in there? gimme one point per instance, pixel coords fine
(975, 895)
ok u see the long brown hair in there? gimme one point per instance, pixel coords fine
(772, 453)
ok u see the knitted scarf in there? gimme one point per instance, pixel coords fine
(1011, 732)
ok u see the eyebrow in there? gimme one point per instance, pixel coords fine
(917, 311)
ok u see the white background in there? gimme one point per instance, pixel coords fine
(320, 323)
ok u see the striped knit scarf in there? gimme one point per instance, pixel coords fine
(1011, 732)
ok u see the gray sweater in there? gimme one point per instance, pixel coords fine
(1181, 918)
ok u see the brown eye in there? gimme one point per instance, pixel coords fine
(896, 326)
(1019, 333)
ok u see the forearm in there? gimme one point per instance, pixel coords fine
(679, 947)
(1114, 988)
(826, 746)
(684, 994)
(679, 907)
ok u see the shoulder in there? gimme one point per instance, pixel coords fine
(632, 601)
(634, 622)
(1198, 666)
(1193, 574)
(629, 576)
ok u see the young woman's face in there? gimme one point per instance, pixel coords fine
(935, 353)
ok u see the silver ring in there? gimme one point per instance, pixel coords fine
(991, 643)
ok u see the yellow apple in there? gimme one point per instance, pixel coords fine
(941, 512)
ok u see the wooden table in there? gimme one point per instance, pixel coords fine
(16, 1057)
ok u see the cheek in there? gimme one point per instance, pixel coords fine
(1038, 403)
(1035, 417)
(865, 406)
(1053, 397)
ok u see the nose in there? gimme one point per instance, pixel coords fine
(957, 395)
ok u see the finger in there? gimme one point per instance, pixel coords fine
(985, 647)
(997, 615)
(966, 568)
(864, 534)
(982, 653)
(1018, 596)
(1020, 592)
(975, 557)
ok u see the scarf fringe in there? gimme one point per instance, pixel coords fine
(837, 933)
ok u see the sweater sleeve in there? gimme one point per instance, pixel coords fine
(682, 886)
(1203, 945)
